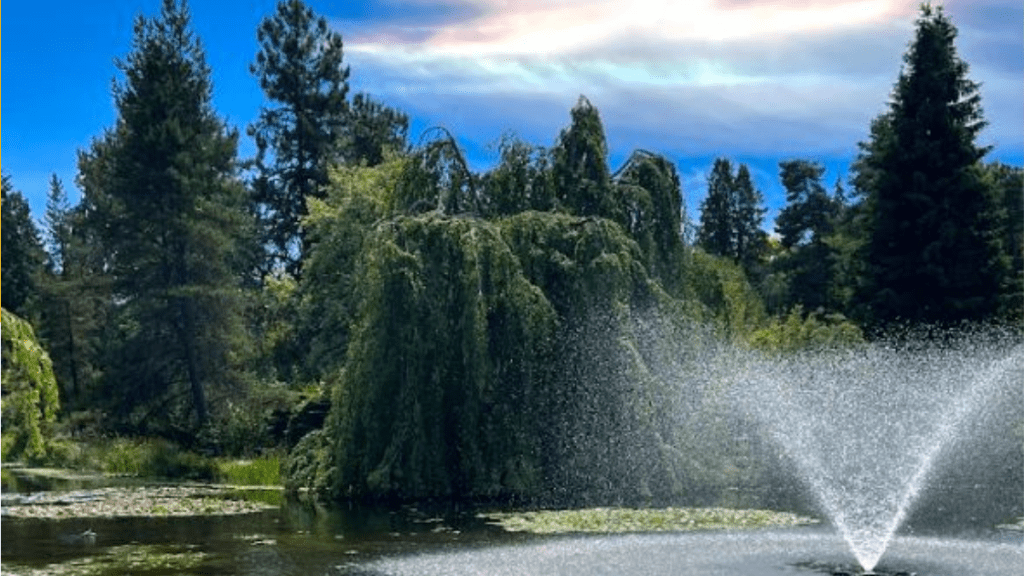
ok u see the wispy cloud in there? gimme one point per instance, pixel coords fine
(699, 76)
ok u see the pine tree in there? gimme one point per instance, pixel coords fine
(23, 256)
(934, 254)
(299, 67)
(161, 190)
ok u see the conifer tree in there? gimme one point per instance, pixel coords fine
(751, 239)
(299, 67)
(934, 252)
(805, 225)
(731, 215)
(23, 256)
(161, 190)
(715, 234)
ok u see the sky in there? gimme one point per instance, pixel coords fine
(754, 81)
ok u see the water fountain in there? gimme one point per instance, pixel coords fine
(866, 428)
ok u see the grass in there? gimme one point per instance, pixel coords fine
(617, 520)
(262, 471)
(153, 458)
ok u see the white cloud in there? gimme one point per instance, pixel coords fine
(699, 76)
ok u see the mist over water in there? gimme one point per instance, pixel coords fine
(865, 428)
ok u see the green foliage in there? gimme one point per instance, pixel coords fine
(934, 254)
(731, 303)
(731, 214)
(580, 165)
(340, 225)
(372, 131)
(163, 197)
(22, 254)
(799, 331)
(153, 458)
(649, 188)
(807, 227)
(435, 398)
(521, 181)
(299, 67)
(30, 396)
(1007, 182)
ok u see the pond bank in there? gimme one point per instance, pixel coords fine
(140, 501)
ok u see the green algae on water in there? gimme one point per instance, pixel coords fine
(617, 520)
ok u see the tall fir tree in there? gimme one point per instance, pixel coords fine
(161, 189)
(751, 239)
(715, 234)
(934, 253)
(299, 67)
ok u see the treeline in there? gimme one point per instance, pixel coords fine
(515, 333)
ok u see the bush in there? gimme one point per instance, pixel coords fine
(154, 458)
(813, 331)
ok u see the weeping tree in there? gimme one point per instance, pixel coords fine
(30, 396)
(443, 371)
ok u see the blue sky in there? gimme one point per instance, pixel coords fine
(755, 81)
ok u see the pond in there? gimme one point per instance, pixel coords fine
(293, 537)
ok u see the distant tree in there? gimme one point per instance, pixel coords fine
(580, 165)
(371, 130)
(23, 255)
(934, 253)
(804, 225)
(521, 181)
(299, 67)
(649, 189)
(731, 215)
(750, 236)
(716, 233)
(58, 224)
(1008, 184)
(162, 192)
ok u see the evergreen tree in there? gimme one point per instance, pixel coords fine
(580, 165)
(1008, 184)
(23, 256)
(299, 67)
(804, 225)
(751, 239)
(58, 224)
(934, 253)
(715, 234)
(371, 130)
(731, 215)
(161, 189)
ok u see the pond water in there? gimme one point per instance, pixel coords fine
(298, 538)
